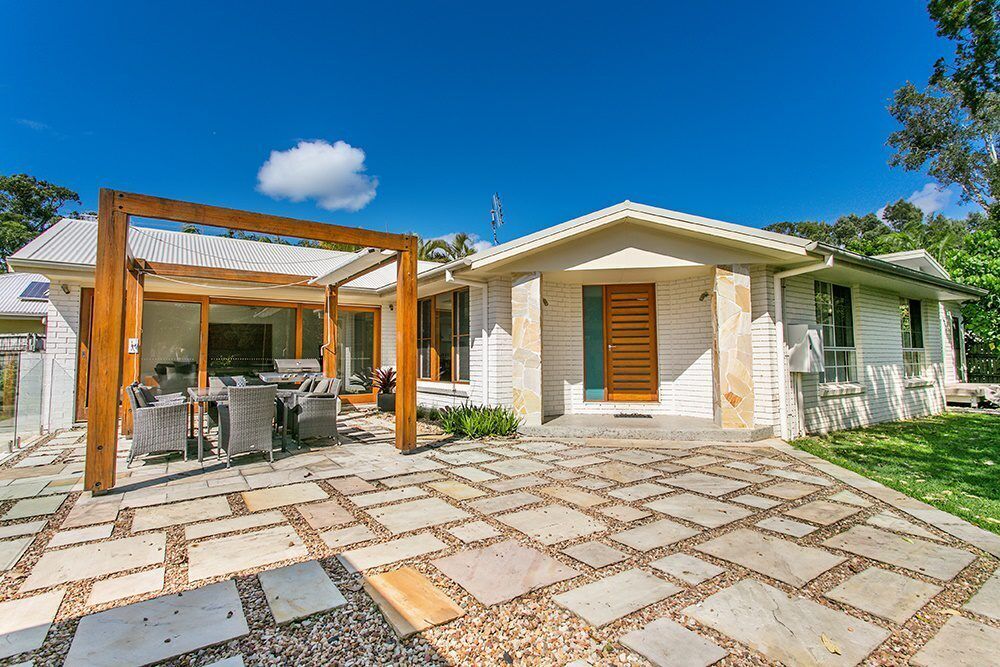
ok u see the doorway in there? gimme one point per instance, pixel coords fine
(620, 356)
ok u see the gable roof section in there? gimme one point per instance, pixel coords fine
(918, 259)
(74, 243)
(12, 285)
(682, 222)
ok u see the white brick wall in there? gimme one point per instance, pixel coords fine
(500, 327)
(61, 342)
(765, 362)
(684, 349)
(880, 361)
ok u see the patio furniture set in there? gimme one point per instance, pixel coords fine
(246, 415)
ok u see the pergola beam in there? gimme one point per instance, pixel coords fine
(109, 313)
(212, 273)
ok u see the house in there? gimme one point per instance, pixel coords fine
(627, 316)
(23, 303)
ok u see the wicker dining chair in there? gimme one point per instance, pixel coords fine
(158, 426)
(314, 414)
(246, 419)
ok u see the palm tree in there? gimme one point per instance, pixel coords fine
(432, 250)
(441, 250)
(459, 247)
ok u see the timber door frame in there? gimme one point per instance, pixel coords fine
(83, 352)
(626, 396)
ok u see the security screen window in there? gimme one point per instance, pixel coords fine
(835, 315)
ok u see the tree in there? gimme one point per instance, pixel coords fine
(974, 26)
(431, 250)
(977, 263)
(28, 206)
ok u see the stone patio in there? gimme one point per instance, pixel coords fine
(525, 552)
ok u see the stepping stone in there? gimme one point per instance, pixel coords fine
(592, 483)
(900, 525)
(960, 643)
(850, 498)
(42, 506)
(687, 568)
(226, 555)
(785, 526)
(668, 467)
(789, 490)
(279, 496)
(497, 504)
(22, 529)
(456, 490)
(743, 465)
(412, 478)
(624, 513)
(503, 571)
(699, 510)
(668, 644)
(233, 661)
(787, 630)
(392, 551)
(345, 537)
(636, 456)
(563, 475)
(505, 485)
(614, 597)
(540, 447)
(654, 535)
(884, 594)
(20, 490)
(350, 486)
(473, 474)
(749, 477)
(391, 496)
(504, 450)
(639, 492)
(12, 550)
(934, 560)
(88, 561)
(774, 557)
(581, 461)
(822, 512)
(259, 520)
(65, 538)
(325, 515)
(697, 461)
(987, 601)
(298, 591)
(552, 523)
(126, 586)
(25, 623)
(595, 554)
(515, 467)
(799, 477)
(409, 602)
(161, 516)
(89, 510)
(773, 463)
(471, 457)
(154, 630)
(573, 496)
(710, 485)
(755, 501)
(622, 473)
(416, 514)
(474, 531)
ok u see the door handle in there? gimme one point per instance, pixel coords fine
(610, 346)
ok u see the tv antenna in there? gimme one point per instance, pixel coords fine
(496, 216)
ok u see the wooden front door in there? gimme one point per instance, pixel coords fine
(630, 335)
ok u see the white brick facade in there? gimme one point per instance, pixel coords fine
(61, 344)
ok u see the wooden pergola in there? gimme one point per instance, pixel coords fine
(118, 299)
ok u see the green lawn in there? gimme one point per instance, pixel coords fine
(951, 461)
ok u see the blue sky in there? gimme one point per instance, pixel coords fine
(748, 112)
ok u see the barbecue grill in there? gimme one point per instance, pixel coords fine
(292, 371)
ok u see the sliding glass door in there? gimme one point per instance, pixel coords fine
(171, 343)
(357, 351)
(246, 339)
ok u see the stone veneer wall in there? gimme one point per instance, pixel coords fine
(734, 347)
(526, 343)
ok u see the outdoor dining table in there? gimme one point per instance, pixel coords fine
(202, 396)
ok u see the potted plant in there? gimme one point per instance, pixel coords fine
(384, 382)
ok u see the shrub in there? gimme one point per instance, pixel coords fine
(478, 421)
(384, 379)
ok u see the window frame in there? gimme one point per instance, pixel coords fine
(456, 336)
(914, 356)
(846, 372)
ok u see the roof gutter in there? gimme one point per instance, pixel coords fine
(779, 336)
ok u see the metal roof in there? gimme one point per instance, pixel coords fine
(11, 303)
(74, 242)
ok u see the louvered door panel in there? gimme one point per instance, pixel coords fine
(630, 335)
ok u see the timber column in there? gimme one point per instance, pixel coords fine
(406, 346)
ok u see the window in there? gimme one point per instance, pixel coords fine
(443, 337)
(835, 315)
(911, 326)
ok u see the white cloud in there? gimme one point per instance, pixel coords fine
(931, 198)
(36, 125)
(333, 175)
(478, 244)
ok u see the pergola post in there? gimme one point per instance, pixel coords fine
(330, 333)
(134, 282)
(406, 347)
(106, 343)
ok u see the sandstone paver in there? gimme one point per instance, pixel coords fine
(789, 490)
(126, 586)
(12, 550)
(698, 509)
(987, 601)
(297, 591)
(574, 496)
(279, 496)
(624, 473)
(474, 531)
(65, 538)
(350, 486)
(552, 523)
(392, 551)
(456, 490)
(410, 602)
(595, 554)
(822, 512)
(774, 557)
(885, 594)
(225, 555)
(325, 515)
(345, 537)
(504, 503)
(30, 507)
(779, 524)
(416, 514)
(688, 569)
(668, 644)
(24, 623)
(515, 484)
(624, 513)
(96, 560)
(934, 560)
(654, 535)
(390, 496)
(233, 524)
(900, 525)
(606, 600)
(710, 485)
(960, 643)
(639, 492)
(516, 467)
(161, 516)
(755, 501)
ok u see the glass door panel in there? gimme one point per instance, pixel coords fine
(171, 338)
(355, 350)
(245, 340)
